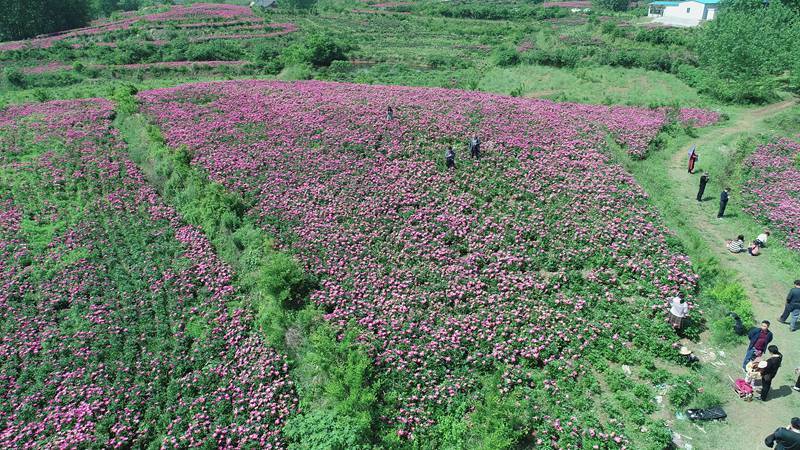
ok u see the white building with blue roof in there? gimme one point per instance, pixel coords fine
(683, 13)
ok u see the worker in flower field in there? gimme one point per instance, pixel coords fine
(703, 182)
(677, 312)
(736, 245)
(792, 304)
(389, 113)
(723, 202)
(475, 147)
(768, 373)
(759, 337)
(450, 158)
(686, 352)
(692, 158)
(785, 438)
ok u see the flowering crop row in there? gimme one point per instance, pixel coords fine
(772, 191)
(535, 261)
(218, 17)
(115, 325)
(56, 66)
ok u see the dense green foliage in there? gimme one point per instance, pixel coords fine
(26, 18)
(318, 50)
(610, 5)
(748, 49)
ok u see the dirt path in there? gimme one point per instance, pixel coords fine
(765, 281)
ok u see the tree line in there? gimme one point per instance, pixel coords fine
(21, 19)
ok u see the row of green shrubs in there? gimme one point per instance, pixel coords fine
(315, 50)
(333, 376)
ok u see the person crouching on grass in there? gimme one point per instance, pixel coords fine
(736, 245)
(761, 239)
(785, 437)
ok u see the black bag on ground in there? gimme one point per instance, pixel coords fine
(715, 413)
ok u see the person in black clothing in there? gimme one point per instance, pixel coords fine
(723, 202)
(703, 183)
(389, 113)
(786, 438)
(475, 147)
(796, 386)
(450, 158)
(769, 372)
(792, 302)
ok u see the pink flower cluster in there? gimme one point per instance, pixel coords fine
(772, 191)
(698, 117)
(118, 332)
(525, 261)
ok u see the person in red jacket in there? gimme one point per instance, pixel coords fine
(760, 337)
(692, 158)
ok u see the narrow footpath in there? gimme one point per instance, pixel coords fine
(765, 279)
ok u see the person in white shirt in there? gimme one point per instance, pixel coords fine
(761, 240)
(677, 312)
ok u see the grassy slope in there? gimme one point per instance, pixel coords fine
(607, 85)
(766, 279)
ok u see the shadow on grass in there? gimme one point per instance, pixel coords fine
(783, 391)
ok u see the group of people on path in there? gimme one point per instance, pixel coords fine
(724, 196)
(757, 365)
(762, 360)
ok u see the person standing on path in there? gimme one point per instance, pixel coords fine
(769, 372)
(703, 182)
(792, 303)
(759, 337)
(785, 438)
(450, 158)
(723, 202)
(692, 158)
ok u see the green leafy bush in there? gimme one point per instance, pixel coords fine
(14, 77)
(318, 50)
(133, 52)
(733, 297)
(505, 57)
(682, 392)
(610, 5)
(339, 398)
(216, 50)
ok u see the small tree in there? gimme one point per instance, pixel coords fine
(319, 50)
